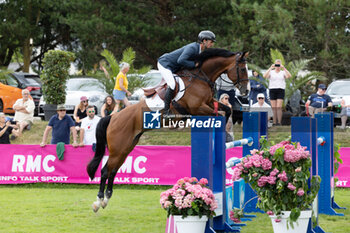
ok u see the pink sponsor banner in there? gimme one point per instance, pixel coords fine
(154, 165)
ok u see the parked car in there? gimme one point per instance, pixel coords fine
(77, 87)
(153, 78)
(336, 90)
(9, 93)
(11, 89)
(32, 83)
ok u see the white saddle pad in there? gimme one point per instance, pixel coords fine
(156, 103)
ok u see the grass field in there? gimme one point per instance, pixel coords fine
(132, 209)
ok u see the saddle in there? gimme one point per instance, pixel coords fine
(160, 89)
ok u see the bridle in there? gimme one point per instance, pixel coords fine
(238, 69)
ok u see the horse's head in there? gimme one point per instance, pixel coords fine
(238, 72)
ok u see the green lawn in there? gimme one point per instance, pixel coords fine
(132, 209)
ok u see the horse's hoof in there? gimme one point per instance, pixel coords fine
(95, 206)
(104, 203)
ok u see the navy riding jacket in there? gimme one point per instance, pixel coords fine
(180, 58)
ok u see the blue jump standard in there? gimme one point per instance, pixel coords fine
(208, 161)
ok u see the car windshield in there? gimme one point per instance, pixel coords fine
(84, 84)
(152, 79)
(339, 88)
(33, 81)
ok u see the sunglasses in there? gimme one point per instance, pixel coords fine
(91, 111)
(61, 110)
(84, 101)
(226, 98)
(261, 98)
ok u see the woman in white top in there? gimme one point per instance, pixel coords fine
(277, 85)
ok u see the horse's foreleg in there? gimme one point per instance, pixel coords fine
(109, 190)
(97, 204)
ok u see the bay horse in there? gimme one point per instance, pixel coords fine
(122, 131)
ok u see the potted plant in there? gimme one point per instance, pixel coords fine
(279, 174)
(56, 65)
(191, 203)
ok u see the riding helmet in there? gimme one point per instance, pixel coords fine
(209, 35)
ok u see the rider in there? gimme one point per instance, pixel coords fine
(170, 63)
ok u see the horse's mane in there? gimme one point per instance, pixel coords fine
(213, 52)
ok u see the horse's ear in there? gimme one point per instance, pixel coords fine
(244, 56)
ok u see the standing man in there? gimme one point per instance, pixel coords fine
(88, 127)
(319, 101)
(172, 62)
(24, 111)
(61, 125)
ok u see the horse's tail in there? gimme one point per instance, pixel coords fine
(101, 141)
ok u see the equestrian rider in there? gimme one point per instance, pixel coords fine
(172, 62)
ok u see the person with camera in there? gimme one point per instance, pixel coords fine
(319, 101)
(277, 74)
(6, 129)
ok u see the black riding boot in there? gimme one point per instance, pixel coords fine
(167, 99)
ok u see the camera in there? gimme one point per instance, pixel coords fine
(277, 65)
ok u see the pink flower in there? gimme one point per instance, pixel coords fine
(300, 192)
(269, 212)
(274, 172)
(298, 169)
(266, 164)
(278, 220)
(283, 176)
(291, 186)
(203, 181)
(255, 174)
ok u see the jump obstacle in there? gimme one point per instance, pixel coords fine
(209, 155)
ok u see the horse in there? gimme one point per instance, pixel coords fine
(122, 131)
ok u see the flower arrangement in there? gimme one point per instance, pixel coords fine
(279, 175)
(189, 197)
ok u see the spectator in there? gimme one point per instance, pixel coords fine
(24, 111)
(225, 86)
(121, 86)
(262, 106)
(61, 125)
(109, 106)
(224, 99)
(256, 87)
(319, 101)
(5, 130)
(345, 111)
(80, 111)
(277, 86)
(88, 127)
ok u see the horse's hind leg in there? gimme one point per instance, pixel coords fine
(109, 190)
(97, 204)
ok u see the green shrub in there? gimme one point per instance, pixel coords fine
(55, 74)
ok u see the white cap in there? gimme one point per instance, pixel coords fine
(260, 95)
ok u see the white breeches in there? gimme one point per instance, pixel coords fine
(167, 75)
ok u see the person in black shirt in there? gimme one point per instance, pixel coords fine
(6, 130)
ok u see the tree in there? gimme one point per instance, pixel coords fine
(39, 20)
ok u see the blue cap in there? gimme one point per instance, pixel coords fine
(322, 86)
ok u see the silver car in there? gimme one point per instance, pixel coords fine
(337, 90)
(153, 78)
(77, 87)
